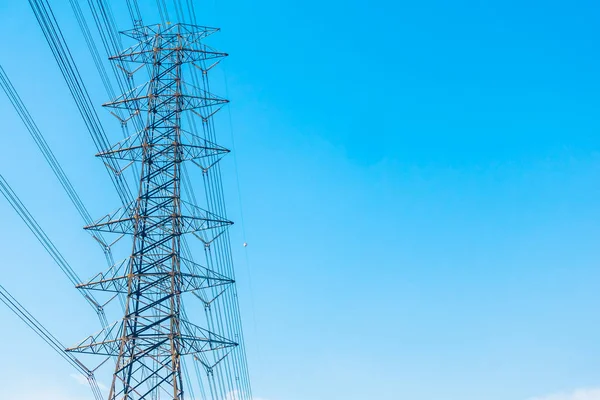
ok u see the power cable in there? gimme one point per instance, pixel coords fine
(35, 325)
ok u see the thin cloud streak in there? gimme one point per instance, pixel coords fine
(579, 394)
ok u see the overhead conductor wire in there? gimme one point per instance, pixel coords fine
(20, 311)
(48, 154)
(222, 257)
(43, 238)
(64, 58)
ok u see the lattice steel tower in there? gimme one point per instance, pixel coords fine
(149, 342)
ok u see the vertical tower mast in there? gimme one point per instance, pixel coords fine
(152, 337)
(151, 325)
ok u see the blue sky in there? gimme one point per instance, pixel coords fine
(419, 187)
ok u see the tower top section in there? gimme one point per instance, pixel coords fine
(184, 39)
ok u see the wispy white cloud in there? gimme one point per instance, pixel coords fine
(45, 394)
(82, 380)
(235, 395)
(55, 394)
(579, 394)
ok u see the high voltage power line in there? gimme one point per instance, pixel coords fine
(50, 339)
(62, 54)
(49, 246)
(51, 159)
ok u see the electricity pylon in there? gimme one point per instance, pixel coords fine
(150, 340)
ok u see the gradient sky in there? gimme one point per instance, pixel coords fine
(420, 186)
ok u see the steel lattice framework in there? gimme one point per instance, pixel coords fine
(153, 336)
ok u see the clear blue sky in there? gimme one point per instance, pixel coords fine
(420, 186)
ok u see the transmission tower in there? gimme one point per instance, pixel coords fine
(154, 335)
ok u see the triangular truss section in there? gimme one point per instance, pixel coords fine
(194, 340)
(199, 340)
(142, 98)
(119, 221)
(209, 363)
(203, 224)
(194, 278)
(190, 34)
(191, 51)
(192, 148)
(104, 342)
